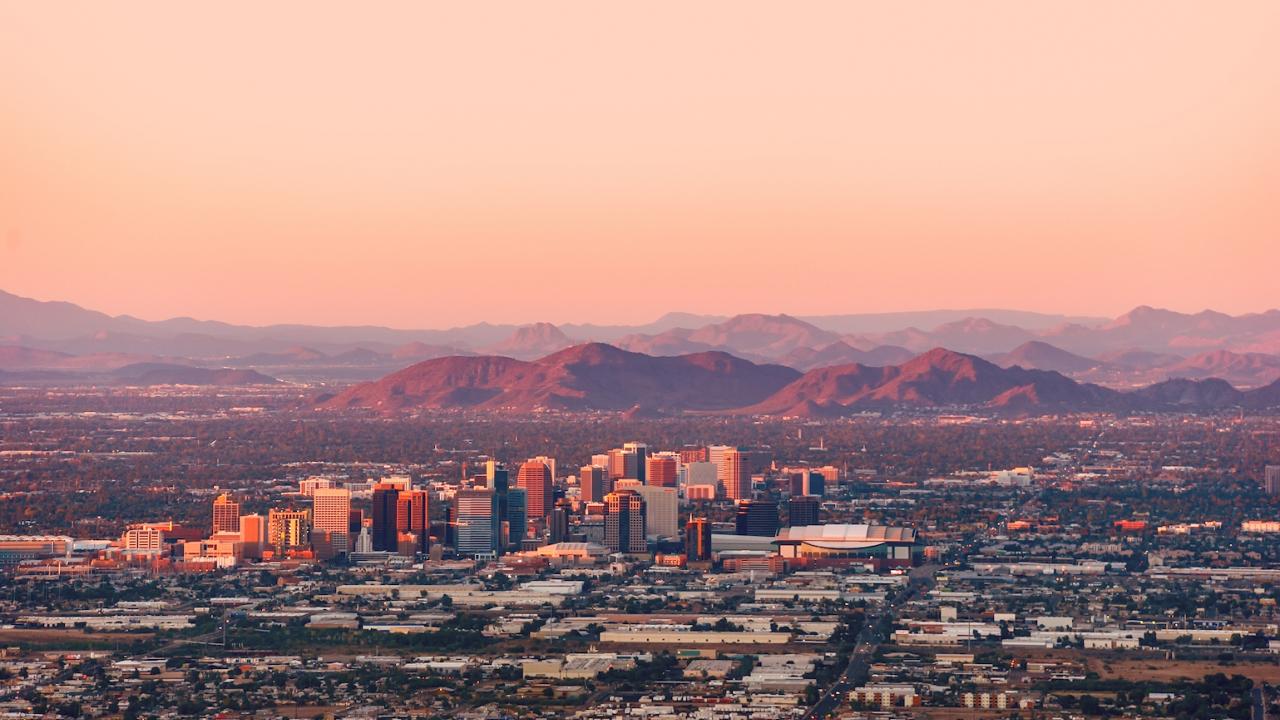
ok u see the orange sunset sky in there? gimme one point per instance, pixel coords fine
(432, 164)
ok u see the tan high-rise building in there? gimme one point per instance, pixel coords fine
(593, 483)
(143, 541)
(661, 511)
(535, 479)
(331, 515)
(226, 514)
(627, 461)
(735, 475)
(288, 529)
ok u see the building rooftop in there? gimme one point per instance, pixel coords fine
(846, 533)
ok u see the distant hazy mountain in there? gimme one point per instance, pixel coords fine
(1187, 393)
(1135, 359)
(753, 336)
(13, 357)
(1239, 369)
(1153, 329)
(418, 351)
(842, 353)
(874, 323)
(1038, 355)
(164, 374)
(292, 356)
(532, 341)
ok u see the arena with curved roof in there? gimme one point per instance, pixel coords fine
(883, 545)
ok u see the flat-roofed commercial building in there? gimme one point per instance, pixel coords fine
(16, 548)
(693, 637)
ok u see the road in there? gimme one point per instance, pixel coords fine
(1259, 704)
(919, 580)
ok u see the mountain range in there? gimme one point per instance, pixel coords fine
(1139, 348)
(602, 377)
(593, 376)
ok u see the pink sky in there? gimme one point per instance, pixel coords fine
(418, 164)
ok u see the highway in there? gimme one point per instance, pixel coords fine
(855, 674)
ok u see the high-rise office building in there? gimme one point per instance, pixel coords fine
(385, 497)
(660, 470)
(830, 475)
(758, 518)
(498, 479)
(735, 475)
(331, 515)
(716, 453)
(475, 521)
(550, 462)
(622, 464)
(692, 454)
(288, 529)
(226, 514)
(640, 452)
(1271, 479)
(311, 484)
(495, 475)
(661, 510)
(807, 482)
(402, 483)
(614, 466)
(413, 515)
(535, 479)
(803, 510)
(697, 539)
(795, 483)
(628, 461)
(592, 483)
(558, 525)
(144, 541)
(624, 525)
(253, 535)
(700, 473)
(517, 517)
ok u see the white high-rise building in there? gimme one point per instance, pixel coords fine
(475, 521)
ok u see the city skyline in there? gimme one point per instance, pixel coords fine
(832, 361)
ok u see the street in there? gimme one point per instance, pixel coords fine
(919, 580)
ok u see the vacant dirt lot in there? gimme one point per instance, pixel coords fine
(77, 638)
(1161, 669)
